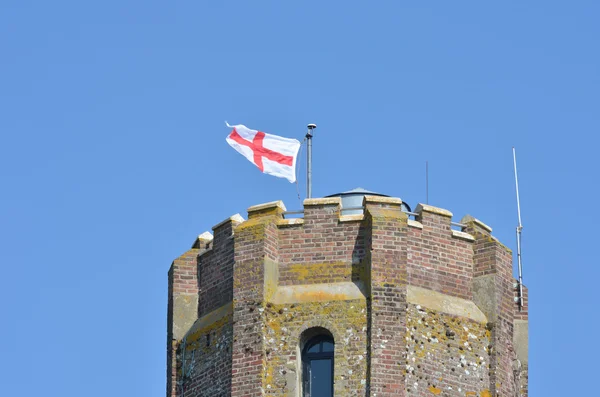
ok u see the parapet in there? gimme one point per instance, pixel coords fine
(381, 279)
(308, 242)
(330, 208)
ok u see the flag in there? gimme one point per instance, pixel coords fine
(272, 154)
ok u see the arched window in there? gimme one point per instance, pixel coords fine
(317, 366)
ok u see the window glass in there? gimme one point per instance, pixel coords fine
(315, 348)
(317, 364)
(321, 381)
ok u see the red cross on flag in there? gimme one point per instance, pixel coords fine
(272, 154)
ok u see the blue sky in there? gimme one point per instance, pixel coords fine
(113, 156)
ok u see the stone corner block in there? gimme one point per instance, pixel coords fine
(202, 239)
(235, 219)
(470, 219)
(322, 201)
(266, 206)
(434, 210)
(382, 200)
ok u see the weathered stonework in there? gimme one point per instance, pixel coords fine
(415, 307)
(284, 326)
(447, 355)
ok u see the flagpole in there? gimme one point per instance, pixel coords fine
(311, 127)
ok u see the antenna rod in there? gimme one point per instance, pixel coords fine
(426, 182)
(309, 136)
(519, 230)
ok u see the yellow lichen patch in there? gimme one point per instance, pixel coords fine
(251, 223)
(284, 326)
(266, 209)
(303, 272)
(321, 292)
(209, 322)
(420, 353)
(312, 296)
(485, 393)
(387, 214)
(255, 228)
(270, 289)
(275, 325)
(434, 390)
(192, 339)
(470, 394)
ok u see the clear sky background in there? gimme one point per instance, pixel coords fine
(113, 157)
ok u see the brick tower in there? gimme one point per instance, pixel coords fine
(403, 306)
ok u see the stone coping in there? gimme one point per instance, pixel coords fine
(322, 201)
(382, 200)
(325, 292)
(462, 235)
(290, 222)
(267, 206)
(203, 238)
(415, 224)
(237, 218)
(469, 219)
(352, 218)
(206, 236)
(444, 303)
(434, 210)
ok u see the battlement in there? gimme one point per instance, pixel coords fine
(327, 246)
(254, 286)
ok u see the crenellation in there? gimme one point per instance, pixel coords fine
(203, 241)
(321, 213)
(475, 224)
(440, 258)
(462, 235)
(275, 208)
(421, 209)
(415, 307)
(224, 229)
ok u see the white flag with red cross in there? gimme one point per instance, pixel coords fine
(272, 154)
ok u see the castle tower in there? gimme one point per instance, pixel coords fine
(383, 302)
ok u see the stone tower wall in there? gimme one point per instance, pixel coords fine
(416, 307)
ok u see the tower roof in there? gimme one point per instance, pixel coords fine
(357, 191)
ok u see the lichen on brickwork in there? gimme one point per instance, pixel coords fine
(194, 340)
(323, 271)
(413, 311)
(387, 214)
(255, 227)
(284, 325)
(204, 359)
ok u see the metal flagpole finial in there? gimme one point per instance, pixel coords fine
(311, 127)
